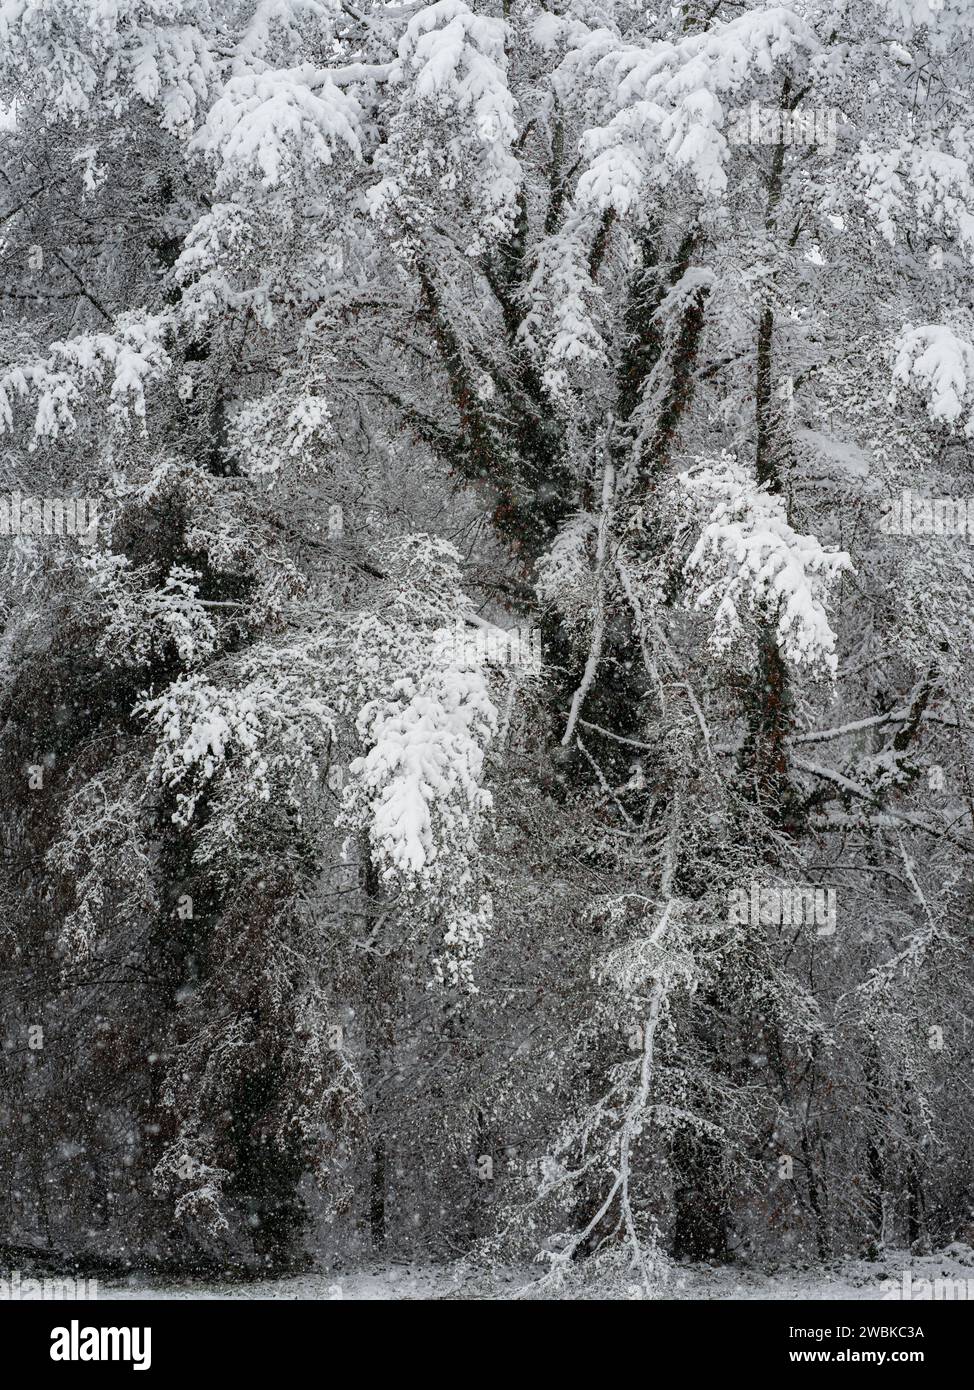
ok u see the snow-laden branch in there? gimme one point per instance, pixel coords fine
(749, 558)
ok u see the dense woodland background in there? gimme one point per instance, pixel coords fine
(375, 331)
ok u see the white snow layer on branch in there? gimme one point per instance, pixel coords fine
(560, 323)
(664, 103)
(933, 360)
(945, 21)
(566, 580)
(749, 558)
(417, 789)
(85, 53)
(422, 774)
(265, 736)
(276, 26)
(932, 185)
(200, 727)
(274, 123)
(131, 357)
(453, 63)
(457, 60)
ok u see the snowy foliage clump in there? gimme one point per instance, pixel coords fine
(748, 558)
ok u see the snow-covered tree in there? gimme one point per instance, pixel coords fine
(373, 336)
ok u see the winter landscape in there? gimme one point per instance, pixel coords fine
(487, 606)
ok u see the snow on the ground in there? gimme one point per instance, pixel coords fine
(898, 1275)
